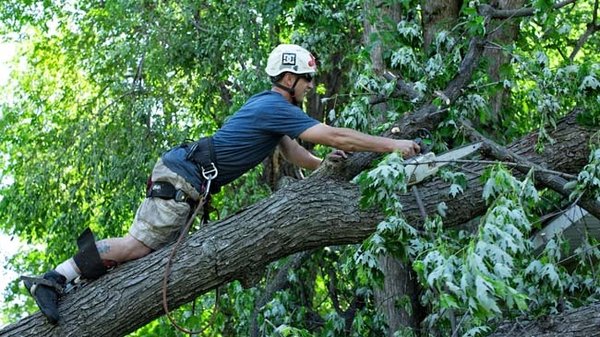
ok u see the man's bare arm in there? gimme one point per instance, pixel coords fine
(353, 141)
(298, 155)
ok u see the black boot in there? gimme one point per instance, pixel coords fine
(46, 291)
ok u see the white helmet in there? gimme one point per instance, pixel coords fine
(290, 58)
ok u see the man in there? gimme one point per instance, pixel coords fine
(269, 119)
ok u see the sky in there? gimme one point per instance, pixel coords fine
(8, 246)
(7, 52)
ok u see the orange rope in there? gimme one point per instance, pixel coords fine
(201, 204)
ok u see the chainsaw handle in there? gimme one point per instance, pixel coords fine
(424, 140)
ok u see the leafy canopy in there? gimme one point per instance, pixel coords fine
(100, 89)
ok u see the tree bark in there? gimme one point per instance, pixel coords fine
(581, 322)
(316, 212)
(400, 289)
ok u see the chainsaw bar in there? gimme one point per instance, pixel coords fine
(421, 167)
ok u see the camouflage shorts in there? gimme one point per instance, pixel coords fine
(159, 221)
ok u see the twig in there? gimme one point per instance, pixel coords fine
(568, 258)
(592, 27)
(459, 324)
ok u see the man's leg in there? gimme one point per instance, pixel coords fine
(46, 290)
(156, 223)
(122, 249)
(118, 250)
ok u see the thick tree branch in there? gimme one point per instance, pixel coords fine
(493, 13)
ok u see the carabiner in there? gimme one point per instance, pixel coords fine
(210, 173)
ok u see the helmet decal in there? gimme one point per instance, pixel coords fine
(312, 62)
(288, 59)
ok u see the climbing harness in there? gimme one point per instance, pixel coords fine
(202, 153)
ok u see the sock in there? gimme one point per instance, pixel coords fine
(68, 269)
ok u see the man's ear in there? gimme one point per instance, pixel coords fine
(288, 79)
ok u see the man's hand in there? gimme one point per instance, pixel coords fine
(408, 148)
(337, 155)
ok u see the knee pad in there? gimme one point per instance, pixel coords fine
(88, 258)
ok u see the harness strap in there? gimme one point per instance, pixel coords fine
(166, 190)
(88, 258)
(290, 90)
(202, 153)
(32, 283)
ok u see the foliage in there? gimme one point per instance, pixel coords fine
(100, 89)
(472, 278)
(493, 271)
(588, 179)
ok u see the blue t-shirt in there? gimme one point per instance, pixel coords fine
(246, 139)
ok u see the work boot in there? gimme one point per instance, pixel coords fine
(46, 291)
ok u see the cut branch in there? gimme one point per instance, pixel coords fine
(541, 175)
(402, 87)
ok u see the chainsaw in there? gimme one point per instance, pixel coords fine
(428, 163)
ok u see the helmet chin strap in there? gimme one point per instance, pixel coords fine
(290, 91)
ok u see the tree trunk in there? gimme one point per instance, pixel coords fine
(319, 211)
(504, 32)
(438, 15)
(400, 283)
(377, 13)
(400, 290)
